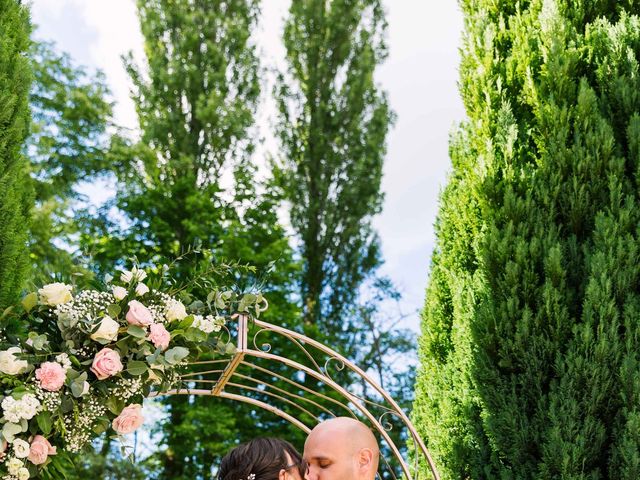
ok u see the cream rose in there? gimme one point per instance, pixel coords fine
(175, 311)
(13, 465)
(159, 336)
(108, 330)
(129, 420)
(40, 450)
(138, 314)
(20, 448)
(23, 474)
(106, 363)
(119, 292)
(55, 294)
(51, 376)
(135, 274)
(141, 289)
(9, 364)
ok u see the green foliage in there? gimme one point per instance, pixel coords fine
(191, 182)
(333, 125)
(68, 145)
(15, 190)
(529, 352)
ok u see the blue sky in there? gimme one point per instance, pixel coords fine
(420, 77)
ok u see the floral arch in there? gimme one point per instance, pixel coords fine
(76, 364)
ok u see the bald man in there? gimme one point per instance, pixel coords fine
(341, 449)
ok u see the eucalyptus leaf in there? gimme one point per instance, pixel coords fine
(77, 388)
(195, 335)
(136, 368)
(176, 354)
(136, 331)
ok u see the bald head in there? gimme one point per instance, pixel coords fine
(343, 447)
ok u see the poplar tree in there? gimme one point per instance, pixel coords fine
(15, 187)
(333, 124)
(193, 184)
(530, 358)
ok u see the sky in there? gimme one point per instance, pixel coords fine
(420, 77)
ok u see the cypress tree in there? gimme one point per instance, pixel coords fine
(530, 358)
(15, 190)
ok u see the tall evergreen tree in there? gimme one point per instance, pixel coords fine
(333, 125)
(15, 189)
(530, 348)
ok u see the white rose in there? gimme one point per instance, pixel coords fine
(126, 276)
(23, 474)
(135, 274)
(203, 324)
(21, 448)
(141, 289)
(14, 465)
(119, 292)
(9, 364)
(108, 330)
(55, 294)
(175, 311)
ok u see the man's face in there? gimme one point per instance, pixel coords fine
(329, 457)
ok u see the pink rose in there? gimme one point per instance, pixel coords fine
(3, 448)
(106, 363)
(138, 314)
(159, 336)
(130, 419)
(51, 376)
(40, 449)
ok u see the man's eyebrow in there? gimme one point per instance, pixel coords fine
(320, 458)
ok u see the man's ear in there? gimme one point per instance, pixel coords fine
(365, 459)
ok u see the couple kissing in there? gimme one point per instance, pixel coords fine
(341, 448)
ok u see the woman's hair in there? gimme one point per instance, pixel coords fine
(262, 457)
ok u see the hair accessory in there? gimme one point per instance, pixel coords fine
(252, 476)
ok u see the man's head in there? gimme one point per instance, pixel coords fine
(341, 449)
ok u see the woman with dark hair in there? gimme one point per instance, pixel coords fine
(263, 459)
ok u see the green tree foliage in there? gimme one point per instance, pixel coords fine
(68, 146)
(16, 196)
(530, 363)
(333, 125)
(192, 183)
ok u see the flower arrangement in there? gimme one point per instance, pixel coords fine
(79, 363)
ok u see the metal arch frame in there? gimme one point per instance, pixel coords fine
(359, 404)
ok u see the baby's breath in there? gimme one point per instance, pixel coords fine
(50, 400)
(127, 388)
(79, 424)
